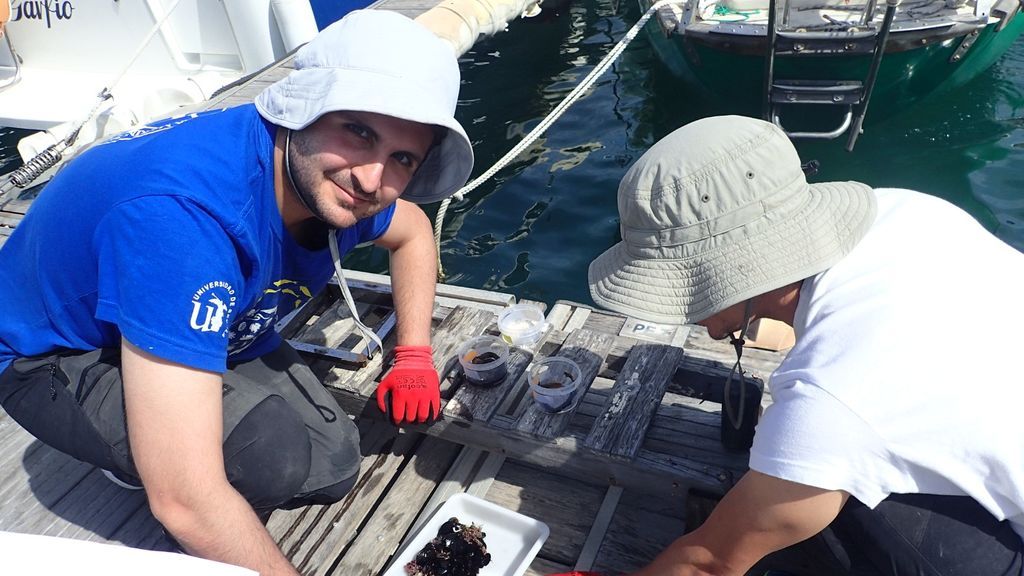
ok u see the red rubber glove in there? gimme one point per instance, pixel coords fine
(413, 386)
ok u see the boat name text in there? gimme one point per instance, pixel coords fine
(43, 10)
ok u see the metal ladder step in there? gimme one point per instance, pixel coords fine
(835, 92)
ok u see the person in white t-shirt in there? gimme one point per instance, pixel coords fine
(893, 445)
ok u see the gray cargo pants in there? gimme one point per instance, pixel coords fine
(287, 443)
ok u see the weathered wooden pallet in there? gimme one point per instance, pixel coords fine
(648, 416)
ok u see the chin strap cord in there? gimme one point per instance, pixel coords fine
(736, 416)
(332, 241)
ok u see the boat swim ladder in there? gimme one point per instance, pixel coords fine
(855, 95)
(550, 119)
(51, 156)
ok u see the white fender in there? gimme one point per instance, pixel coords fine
(461, 22)
(296, 22)
(250, 23)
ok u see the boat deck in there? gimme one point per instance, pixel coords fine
(749, 18)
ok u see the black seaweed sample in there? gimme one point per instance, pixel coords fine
(458, 550)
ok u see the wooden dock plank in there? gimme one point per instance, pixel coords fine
(601, 321)
(471, 403)
(141, 530)
(462, 324)
(587, 349)
(381, 536)
(599, 529)
(559, 315)
(316, 548)
(543, 567)
(565, 504)
(44, 478)
(98, 507)
(9, 220)
(312, 537)
(642, 526)
(622, 425)
(759, 362)
(370, 281)
(458, 478)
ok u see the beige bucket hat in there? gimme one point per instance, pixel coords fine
(717, 212)
(383, 62)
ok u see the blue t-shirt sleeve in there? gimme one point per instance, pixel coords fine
(169, 278)
(365, 230)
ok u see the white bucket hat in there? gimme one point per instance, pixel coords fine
(382, 62)
(718, 212)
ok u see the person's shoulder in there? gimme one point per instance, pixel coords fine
(890, 198)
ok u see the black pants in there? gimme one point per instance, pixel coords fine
(287, 443)
(908, 535)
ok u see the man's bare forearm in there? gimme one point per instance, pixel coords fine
(413, 277)
(175, 426)
(683, 558)
(223, 527)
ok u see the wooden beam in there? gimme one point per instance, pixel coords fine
(649, 472)
(621, 427)
(587, 349)
(598, 529)
(379, 538)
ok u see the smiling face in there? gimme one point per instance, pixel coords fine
(347, 166)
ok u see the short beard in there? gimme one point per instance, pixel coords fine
(301, 175)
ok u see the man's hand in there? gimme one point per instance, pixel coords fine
(413, 387)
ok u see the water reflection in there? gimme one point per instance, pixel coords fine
(535, 227)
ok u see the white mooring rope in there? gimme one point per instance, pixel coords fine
(555, 114)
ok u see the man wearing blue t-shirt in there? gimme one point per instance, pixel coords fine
(141, 290)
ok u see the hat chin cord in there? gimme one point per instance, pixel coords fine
(288, 171)
(736, 417)
(332, 243)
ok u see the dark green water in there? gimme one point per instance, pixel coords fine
(533, 229)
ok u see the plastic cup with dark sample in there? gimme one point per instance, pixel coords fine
(484, 360)
(554, 382)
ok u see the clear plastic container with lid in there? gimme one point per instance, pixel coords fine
(522, 324)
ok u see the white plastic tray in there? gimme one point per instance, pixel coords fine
(512, 540)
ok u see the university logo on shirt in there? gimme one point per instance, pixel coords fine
(278, 300)
(212, 305)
